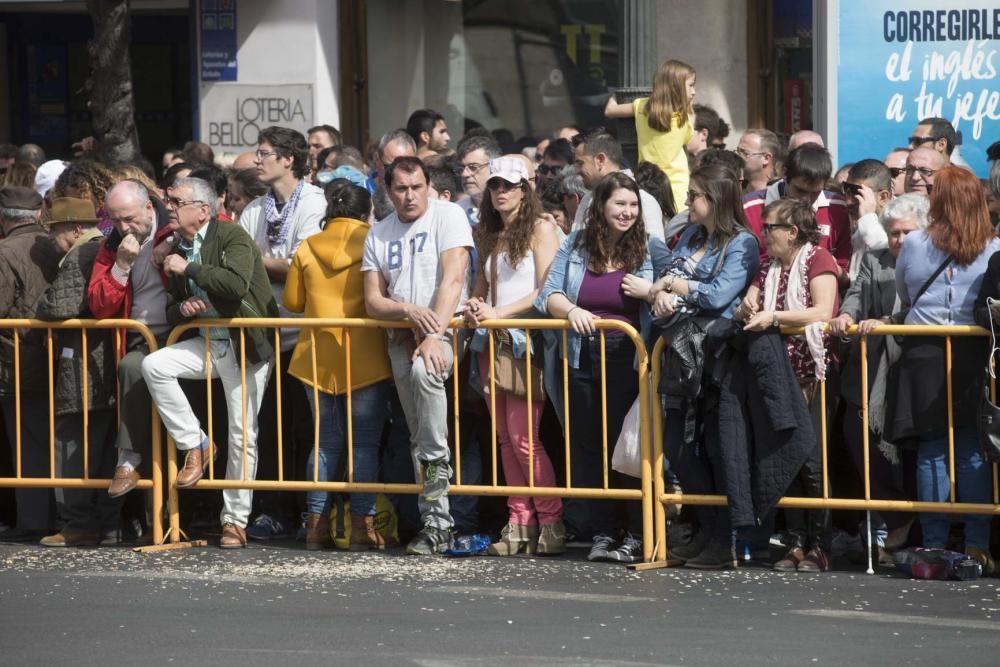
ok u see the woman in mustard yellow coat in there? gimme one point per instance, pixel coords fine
(324, 280)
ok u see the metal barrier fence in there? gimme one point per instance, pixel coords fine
(309, 326)
(86, 482)
(952, 506)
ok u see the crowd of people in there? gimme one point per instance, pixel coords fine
(715, 250)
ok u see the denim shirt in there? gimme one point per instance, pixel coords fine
(951, 298)
(721, 296)
(566, 276)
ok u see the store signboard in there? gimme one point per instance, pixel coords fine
(232, 114)
(217, 31)
(898, 61)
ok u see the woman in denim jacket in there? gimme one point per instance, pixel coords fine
(585, 283)
(709, 271)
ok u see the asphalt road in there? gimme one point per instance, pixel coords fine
(278, 605)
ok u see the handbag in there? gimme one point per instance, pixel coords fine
(690, 310)
(627, 457)
(988, 420)
(902, 377)
(511, 374)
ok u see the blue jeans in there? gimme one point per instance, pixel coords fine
(368, 413)
(972, 486)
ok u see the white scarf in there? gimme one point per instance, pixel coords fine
(795, 299)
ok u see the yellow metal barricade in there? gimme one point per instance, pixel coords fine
(309, 326)
(85, 482)
(951, 506)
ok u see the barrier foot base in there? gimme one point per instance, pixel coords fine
(653, 565)
(171, 546)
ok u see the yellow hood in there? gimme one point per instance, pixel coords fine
(340, 244)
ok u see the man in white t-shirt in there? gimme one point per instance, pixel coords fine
(290, 212)
(416, 268)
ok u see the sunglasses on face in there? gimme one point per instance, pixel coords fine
(896, 171)
(500, 185)
(851, 189)
(920, 141)
(771, 226)
(547, 169)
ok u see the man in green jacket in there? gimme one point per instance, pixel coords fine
(215, 271)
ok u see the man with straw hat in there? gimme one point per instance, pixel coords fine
(88, 513)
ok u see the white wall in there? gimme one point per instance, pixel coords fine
(710, 35)
(290, 42)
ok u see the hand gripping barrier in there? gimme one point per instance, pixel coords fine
(350, 327)
(17, 328)
(951, 506)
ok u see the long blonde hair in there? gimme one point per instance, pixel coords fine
(669, 95)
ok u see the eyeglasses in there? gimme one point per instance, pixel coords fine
(472, 168)
(747, 154)
(771, 226)
(896, 171)
(920, 141)
(546, 169)
(174, 202)
(500, 185)
(260, 155)
(924, 171)
(694, 194)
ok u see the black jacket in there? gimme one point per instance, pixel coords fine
(765, 429)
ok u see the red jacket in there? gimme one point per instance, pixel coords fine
(108, 298)
(831, 216)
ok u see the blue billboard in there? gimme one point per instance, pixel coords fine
(904, 60)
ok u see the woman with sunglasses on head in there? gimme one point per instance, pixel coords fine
(710, 268)
(797, 286)
(517, 245)
(585, 284)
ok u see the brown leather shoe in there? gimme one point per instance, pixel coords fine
(72, 538)
(124, 481)
(815, 561)
(363, 534)
(195, 464)
(790, 563)
(233, 537)
(317, 532)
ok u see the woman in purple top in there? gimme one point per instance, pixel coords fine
(585, 284)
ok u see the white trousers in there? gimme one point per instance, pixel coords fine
(186, 361)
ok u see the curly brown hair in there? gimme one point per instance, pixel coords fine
(514, 239)
(92, 176)
(630, 251)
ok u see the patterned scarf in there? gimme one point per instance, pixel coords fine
(277, 223)
(796, 298)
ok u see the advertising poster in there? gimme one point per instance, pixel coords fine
(901, 61)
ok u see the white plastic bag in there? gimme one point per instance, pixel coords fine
(627, 457)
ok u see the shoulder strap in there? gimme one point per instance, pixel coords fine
(493, 277)
(718, 263)
(930, 281)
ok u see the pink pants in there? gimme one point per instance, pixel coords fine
(512, 432)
